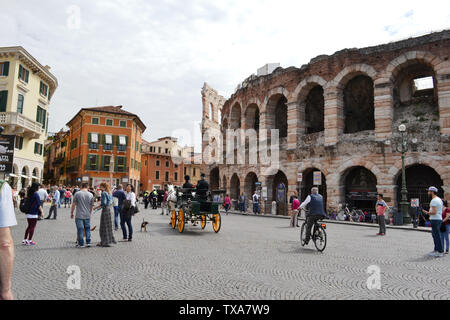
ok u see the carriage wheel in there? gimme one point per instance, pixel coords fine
(174, 219)
(203, 222)
(181, 221)
(216, 222)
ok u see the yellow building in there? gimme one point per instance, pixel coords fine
(26, 88)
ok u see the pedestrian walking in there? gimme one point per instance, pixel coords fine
(164, 208)
(127, 213)
(445, 229)
(294, 208)
(83, 203)
(67, 198)
(121, 196)
(7, 220)
(34, 212)
(54, 204)
(106, 230)
(227, 204)
(435, 213)
(146, 199)
(381, 208)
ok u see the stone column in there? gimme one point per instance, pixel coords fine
(384, 110)
(334, 117)
(295, 127)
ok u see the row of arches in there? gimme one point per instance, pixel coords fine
(358, 186)
(23, 177)
(410, 79)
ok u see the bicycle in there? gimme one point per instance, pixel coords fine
(318, 234)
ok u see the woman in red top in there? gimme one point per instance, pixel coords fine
(227, 203)
(446, 222)
(294, 208)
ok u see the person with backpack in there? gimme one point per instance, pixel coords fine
(242, 200)
(7, 220)
(255, 200)
(33, 209)
(67, 198)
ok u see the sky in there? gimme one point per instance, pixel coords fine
(153, 57)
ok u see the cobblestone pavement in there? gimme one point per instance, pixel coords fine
(251, 258)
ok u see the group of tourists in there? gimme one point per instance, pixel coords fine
(242, 203)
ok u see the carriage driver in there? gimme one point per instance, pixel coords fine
(201, 192)
(187, 184)
(316, 211)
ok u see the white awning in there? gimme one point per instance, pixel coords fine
(13, 175)
(94, 138)
(23, 176)
(108, 139)
(122, 140)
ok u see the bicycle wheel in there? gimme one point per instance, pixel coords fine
(320, 238)
(303, 234)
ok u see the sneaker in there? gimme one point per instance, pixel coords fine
(24, 242)
(432, 254)
(80, 246)
(379, 234)
(31, 243)
(439, 254)
(88, 245)
(446, 252)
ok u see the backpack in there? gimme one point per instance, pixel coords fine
(25, 205)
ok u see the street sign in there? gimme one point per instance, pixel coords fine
(317, 178)
(300, 177)
(6, 153)
(415, 203)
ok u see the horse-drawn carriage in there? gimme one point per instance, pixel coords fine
(195, 210)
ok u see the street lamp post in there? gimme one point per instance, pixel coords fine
(404, 206)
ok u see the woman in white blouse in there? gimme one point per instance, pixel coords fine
(127, 213)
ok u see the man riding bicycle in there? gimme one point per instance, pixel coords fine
(314, 202)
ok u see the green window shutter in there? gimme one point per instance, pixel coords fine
(40, 87)
(35, 147)
(103, 139)
(103, 163)
(3, 100)
(38, 114)
(44, 117)
(89, 138)
(27, 73)
(117, 140)
(115, 163)
(126, 141)
(20, 71)
(96, 162)
(20, 143)
(6, 68)
(88, 162)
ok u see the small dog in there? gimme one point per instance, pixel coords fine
(144, 225)
(84, 233)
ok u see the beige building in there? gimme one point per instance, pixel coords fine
(26, 89)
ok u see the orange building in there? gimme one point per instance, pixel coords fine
(158, 166)
(105, 145)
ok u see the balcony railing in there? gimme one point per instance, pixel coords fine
(16, 123)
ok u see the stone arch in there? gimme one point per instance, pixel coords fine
(235, 116)
(25, 177)
(249, 186)
(419, 178)
(304, 86)
(276, 91)
(273, 182)
(308, 183)
(360, 187)
(276, 111)
(252, 117)
(349, 72)
(396, 168)
(235, 187)
(214, 178)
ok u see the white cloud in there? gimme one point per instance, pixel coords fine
(152, 57)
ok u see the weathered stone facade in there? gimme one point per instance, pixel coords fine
(362, 95)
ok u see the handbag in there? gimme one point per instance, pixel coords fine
(443, 227)
(136, 209)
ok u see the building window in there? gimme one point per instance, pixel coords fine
(74, 144)
(194, 172)
(157, 175)
(92, 162)
(167, 151)
(123, 123)
(4, 68)
(43, 89)
(137, 146)
(167, 176)
(122, 143)
(107, 142)
(175, 176)
(41, 115)
(106, 163)
(20, 103)
(109, 122)
(95, 121)
(23, 74)
(167, 164)
(19, 143)
(93, 141)
(120, 164)
(158, 163)
(3, 100)
(37, 148)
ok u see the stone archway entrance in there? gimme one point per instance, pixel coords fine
(418, 179)
(214, 179)
(308, 184)
(278, 185)
(250, 184)
(235, 187)
(360, 188)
